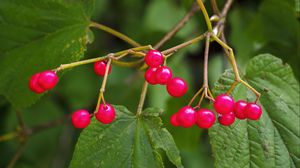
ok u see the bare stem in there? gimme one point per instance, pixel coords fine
(9, 136)
(113, 55)
(177, 27)
(205, 14)
(215, 7)
(195, 96)
(142, 99)
(17, 155)
(115, 33)
(182, 45)
(205, 69)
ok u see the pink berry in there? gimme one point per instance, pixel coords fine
(106, 114)
(154, 58)
(186, 116)
(81, 119)
(47, 79)
(224, 104)
(173, 120)
(205, 118)
(226, 119)
(150, 75)
(177, 87)
(100, 67)
(253, 111)
(239, 109)
(163, 75)
(34, 85)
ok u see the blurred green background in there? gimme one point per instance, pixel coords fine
(253, 27)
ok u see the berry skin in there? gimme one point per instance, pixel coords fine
(47, 79)
(253, 111)
(81, 119)
(154, 58)
(173, 120)
(106, 113)
(177, 87)
(186, 116)
(150, 75)
(239, 109)
(34, 85)
(100, 67)
(226, 119)
(163, 75)
(223, 104)
(205, 118)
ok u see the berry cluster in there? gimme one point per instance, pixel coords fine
(40, 82)
(47, 80)
(226, 109)
(158, 74)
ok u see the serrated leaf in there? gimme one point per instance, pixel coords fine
(129, 141)
(273, 141)
(35, 36)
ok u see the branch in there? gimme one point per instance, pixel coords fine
(17, 155)
(115, 33)
(178, 26)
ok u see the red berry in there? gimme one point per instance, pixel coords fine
(154, 58)
(205, 118)
(186, 116)
(81, 119)
(226, 119)
(239, 109)
(163, 75)
(177, 87)
(150, 75)
(106, 114)
(253, 111)
(47, 79)
(100, 67)
(173, 120)
(224, 104)
(34, 85)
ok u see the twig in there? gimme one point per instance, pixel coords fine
(17, 155)
(20, 119)
(115, 33)
(205, 14)
(205, 69)
(215, 7)
(178, 26)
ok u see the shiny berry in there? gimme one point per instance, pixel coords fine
(34, 85)
(253, 111)
(173, 120)
(239, 109)
(177, 87)
(205, 118)
(226, 119)
(81, 119)
(163, 75)
(47, 79)
(154, 58)
(223, 104)
(150, 75)
(100, 67)
(106, 114)
(186, 116)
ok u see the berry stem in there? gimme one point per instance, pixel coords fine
(195, 96)
(206, 17)
(115, 33)
(102, 89)
(142, 99)
(201, 99)
(205, 69)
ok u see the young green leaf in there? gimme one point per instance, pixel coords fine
(273, 141)
(36, 36)
(130, 141)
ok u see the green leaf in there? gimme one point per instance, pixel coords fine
(273, 141)
(35, 36)
(130, 141)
